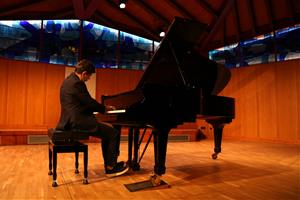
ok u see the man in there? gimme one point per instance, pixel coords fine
(77, 107)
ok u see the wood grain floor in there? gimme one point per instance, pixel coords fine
(244, 170)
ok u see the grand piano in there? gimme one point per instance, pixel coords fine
(179, 85)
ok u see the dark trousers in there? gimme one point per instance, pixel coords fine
(110, 142)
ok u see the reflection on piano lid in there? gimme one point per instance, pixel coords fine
(116, 111)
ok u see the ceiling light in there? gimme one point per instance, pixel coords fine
(162, 34)
(122, 4)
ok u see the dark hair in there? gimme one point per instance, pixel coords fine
(85, 65)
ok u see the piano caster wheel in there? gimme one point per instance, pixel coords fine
(76, 171)
(50, 172)
(214, 156)
(54, 184)
(85, 181)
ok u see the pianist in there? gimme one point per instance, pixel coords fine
(77, 107)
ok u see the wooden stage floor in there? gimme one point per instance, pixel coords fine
(244, 170)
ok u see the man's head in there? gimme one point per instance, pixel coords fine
(84, 69)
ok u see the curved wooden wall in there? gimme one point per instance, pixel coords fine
(29, 101)
(29, 94)
(267, 99)
(115, 81)
(267, 102)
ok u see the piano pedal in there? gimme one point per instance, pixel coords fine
(154, 182)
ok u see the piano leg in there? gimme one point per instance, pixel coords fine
(119, 136)
(133, 140)
(218, 133)
(218, 126)
(160, 150)
(135, 165)
(130, 139)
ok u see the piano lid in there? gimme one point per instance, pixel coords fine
(177, 63)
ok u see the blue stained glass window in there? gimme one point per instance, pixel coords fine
(258, 50)
(226, 55)
(288, 43)
(61, 41)
(135, 51)
(100, 45)
(20, 39)
(282, 45)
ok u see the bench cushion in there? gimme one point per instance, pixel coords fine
(67, 136)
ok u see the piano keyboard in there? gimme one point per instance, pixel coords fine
(116, 111)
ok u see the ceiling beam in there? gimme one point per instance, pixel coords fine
(270, 14)
(105, 21)
(291, 8)
(237, 20)
(64, 13)
(138, 21)
(252, 17)
(78, 8)
(180, 9)
(208, 8)
(225, 10)
(18, 7)
(91, 8)
(224, 33)
(152, 11)
(84, 13)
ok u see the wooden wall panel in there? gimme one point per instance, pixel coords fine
(266, 107)
(29, 93)
(35, 94)
(298, 97)
(6, 140)
(232, 90)
(16, 92)
(3, 90)
(115, 81)
(54, 77)
(267, 98)
(247, 113)
(286, 86)
(267, 102)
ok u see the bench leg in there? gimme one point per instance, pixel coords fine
(54, 182)
(52, 151)
(76, 162)
(85, 163)
(50, 159)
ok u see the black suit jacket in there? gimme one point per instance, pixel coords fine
(77, 106)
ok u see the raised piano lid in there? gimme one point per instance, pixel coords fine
(177, 63)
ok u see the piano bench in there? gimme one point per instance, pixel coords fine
(66, 142)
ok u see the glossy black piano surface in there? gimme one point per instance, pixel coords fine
(179, 85)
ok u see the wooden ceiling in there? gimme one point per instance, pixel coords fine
(228, 21)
